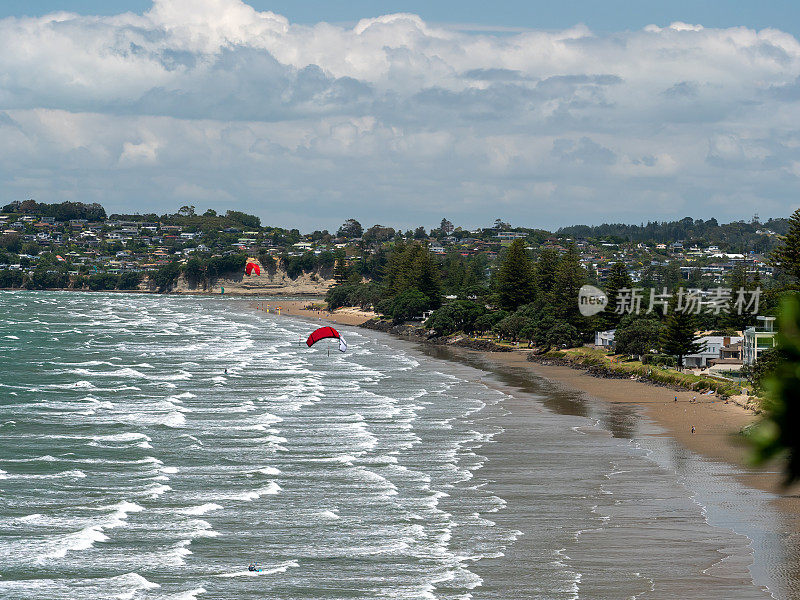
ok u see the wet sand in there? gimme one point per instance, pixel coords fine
(620, 406)
(717, 424)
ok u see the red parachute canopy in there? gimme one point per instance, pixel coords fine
(251, 266)
(324, 333)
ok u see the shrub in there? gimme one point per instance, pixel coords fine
(129, 280)
(103, 281)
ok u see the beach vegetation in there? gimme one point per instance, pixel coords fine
(364, 296)
(165, 277)
(459, 315)
(408, 304)
(622, 366)
(638, 336)
(103, 281)
(129, 280)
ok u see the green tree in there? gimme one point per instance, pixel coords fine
(244, 219)
(350, 229)
(677, 337)
(129, 280)
(637, 336)
(489, 320)
(512, 327)
(194, 270)
(618, 278)
(562, 335)
(408, 304)
(165, 277)
(569, 278)
(737, 280)
(341, 271)
(546, 268)
(456, 316)
(787, 255)
(515, 282)
(765, 366)
(426, 276)
(103, 281)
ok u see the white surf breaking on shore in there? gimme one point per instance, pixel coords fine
(136, 444)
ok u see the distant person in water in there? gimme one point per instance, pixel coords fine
(226, 371)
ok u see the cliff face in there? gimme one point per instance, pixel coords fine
(277, 284)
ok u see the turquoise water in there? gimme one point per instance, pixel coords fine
(133, 466)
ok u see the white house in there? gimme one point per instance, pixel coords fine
(757, 339)
(604, 339)
(711, 347)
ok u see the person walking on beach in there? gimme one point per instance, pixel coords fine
(692, 429)
(676, 398)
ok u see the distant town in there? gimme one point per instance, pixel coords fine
(76, 245)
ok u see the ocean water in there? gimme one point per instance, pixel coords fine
(133, 466)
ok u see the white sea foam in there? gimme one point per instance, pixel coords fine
(121, 437)
(201, 509)
(271, 489)
(72, 474)
(185, 595)
(266, 570)
(329, 515)
(72, 542)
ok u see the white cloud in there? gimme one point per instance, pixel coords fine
(311, 124)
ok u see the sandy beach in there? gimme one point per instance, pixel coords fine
(716, 423)
(302, 308)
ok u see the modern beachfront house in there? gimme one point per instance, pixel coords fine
(757, 339)
(712, 346)
(604, 339)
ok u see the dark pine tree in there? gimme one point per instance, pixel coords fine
(617, 279)
(569, 278)
(787, 255)
(515, 278)
(545, 273)
(677, 338)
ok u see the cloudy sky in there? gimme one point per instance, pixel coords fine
(543, 119)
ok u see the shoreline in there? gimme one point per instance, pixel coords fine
(717, 423)
(299, 308)
(650, 407)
